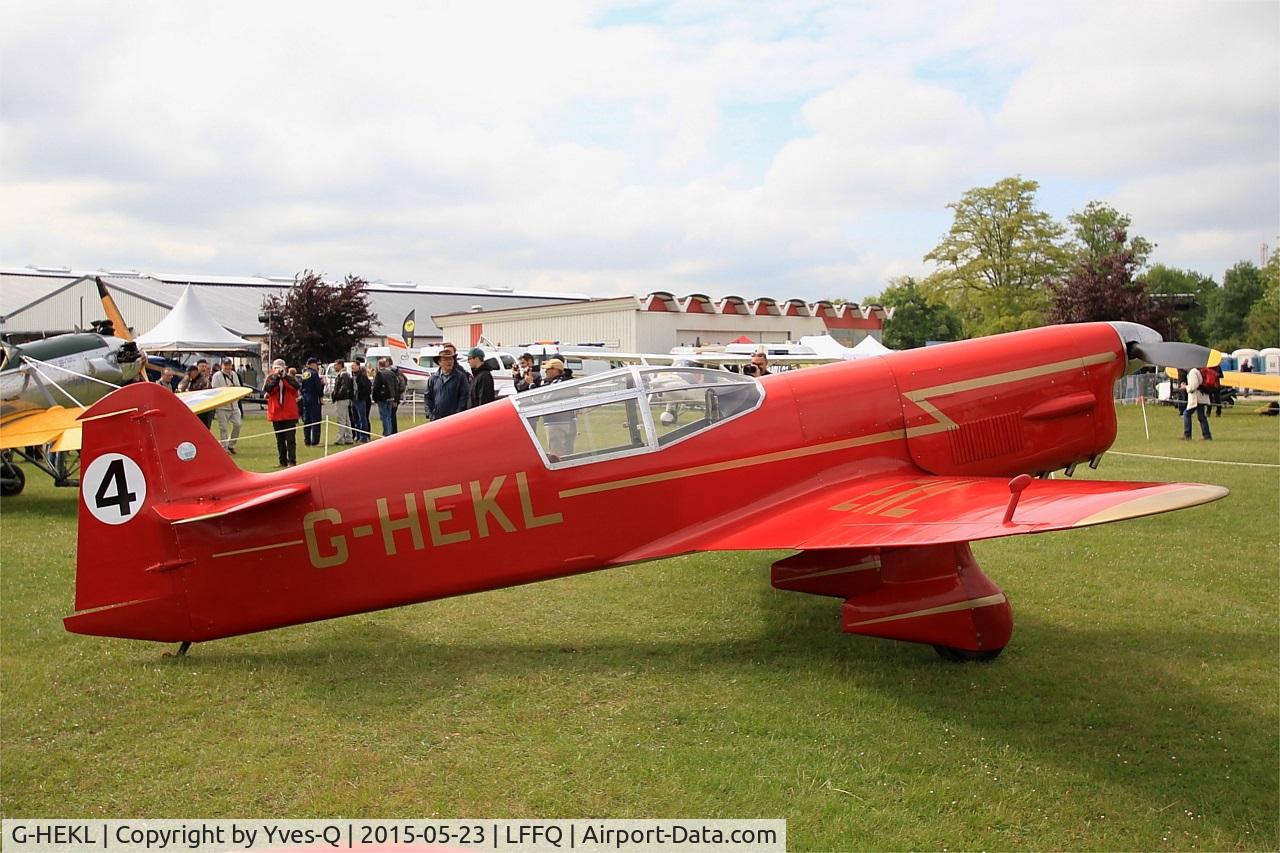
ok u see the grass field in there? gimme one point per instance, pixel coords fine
(1135, 708)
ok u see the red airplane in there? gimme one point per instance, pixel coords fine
(878, 472)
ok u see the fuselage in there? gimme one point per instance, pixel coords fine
(473, 502)
(58, 377)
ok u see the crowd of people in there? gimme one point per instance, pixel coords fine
(349, 393)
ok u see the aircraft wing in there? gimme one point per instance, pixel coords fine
(1266, 382)
(59, 427)
(904, 510)
(697, 359)
(719, 359)
(620, 357)
(38, 428)
(212, 398)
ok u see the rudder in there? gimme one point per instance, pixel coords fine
(142, 449)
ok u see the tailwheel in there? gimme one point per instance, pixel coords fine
(951, 653)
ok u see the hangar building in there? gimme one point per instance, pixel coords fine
(659, 321)
(36, 302)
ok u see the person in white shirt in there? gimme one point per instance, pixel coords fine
(229, 417)
(1198, 402)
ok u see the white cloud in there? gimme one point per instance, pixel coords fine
(1145, 88)
(879, 142)
(524, 145)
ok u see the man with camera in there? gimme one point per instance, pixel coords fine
(526, 375)
(759, 365)
(282, 389)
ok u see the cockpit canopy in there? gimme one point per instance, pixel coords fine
(632, 410)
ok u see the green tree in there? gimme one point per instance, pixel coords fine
(1102, 286)
(916, 319)
(1093, 233)
(1262, 328)
(319, 319)
(1229, 308)
(1167, 281)
(996, 257)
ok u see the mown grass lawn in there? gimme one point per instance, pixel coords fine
(1135, 708)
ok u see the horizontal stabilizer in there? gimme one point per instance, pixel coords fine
(203, 509)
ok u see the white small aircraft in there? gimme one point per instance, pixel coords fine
(812, 350)
(821, 349)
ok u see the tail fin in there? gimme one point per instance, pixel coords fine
(143, 451)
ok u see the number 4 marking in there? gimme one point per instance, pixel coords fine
(122, 498)
(114, 488)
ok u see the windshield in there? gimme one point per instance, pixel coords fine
(632, 410)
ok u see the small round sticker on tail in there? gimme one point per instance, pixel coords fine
(113, 488)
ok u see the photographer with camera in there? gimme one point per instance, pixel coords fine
(282, 389)
(526, 375)
(759, 365)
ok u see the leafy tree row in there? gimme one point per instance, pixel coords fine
(1006, 265)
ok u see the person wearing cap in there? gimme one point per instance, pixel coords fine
(449, 388)
(229, 416)
(482, 390)
(312, 394)
(282, 389)
(562, 427)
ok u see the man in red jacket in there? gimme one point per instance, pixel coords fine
(282, 411)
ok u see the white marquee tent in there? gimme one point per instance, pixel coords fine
(870, 346)
(190, 328)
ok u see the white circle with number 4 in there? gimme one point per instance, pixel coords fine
(113, 488)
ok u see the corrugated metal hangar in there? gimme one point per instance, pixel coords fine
(36, 302)
(659, 321)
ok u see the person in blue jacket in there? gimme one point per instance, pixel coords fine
(312, 394)
(449, 388)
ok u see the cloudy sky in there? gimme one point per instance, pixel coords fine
(782, 149)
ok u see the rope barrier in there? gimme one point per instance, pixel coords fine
(1200, 461)
(325, 422)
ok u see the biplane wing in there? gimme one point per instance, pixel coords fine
(59, 426)
(38, 428)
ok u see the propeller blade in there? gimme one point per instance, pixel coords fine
(1171, 354)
